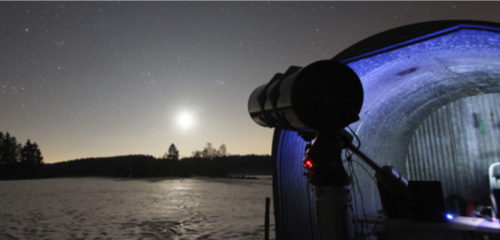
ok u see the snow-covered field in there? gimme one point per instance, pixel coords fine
(103, 208)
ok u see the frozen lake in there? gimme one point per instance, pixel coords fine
(153, 208)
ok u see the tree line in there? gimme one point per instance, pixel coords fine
(206, 162)
(17, 160)
(209, 161)
(138, 166)
(208, 152)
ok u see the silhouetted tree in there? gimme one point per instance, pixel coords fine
(197, 154)
(26, 154)
(38, 155)
(18, 161)
(210, 152)
(173, 153)
(30, 160)
(222, 152)
(31, 154)
(9, 150)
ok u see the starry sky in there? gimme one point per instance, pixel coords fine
(94, 79)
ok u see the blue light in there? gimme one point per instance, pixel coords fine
(403, 84)
(423, 38)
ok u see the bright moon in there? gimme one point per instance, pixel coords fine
(185, 120)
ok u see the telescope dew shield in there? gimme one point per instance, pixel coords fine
(324, 96)
(257, 101)
(256, 106)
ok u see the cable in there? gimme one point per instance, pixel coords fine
(369, 174)
(353, 191)
(348, 154)
(349, 199)
(348, 159)
(356, 136)
(352, 174)
(352, 212)
(362, 200)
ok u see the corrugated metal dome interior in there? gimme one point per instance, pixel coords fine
(456, 144)
(405, 86)
(426, 101)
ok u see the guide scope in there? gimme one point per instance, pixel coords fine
(326, 95)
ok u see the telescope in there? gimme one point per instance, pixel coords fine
(326, 95)
(319, 101)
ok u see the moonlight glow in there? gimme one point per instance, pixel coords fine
(185, 120)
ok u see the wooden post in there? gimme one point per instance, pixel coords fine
(266, 224)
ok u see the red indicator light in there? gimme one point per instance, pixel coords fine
(308, 164)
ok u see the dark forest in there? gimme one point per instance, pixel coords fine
(137, 166)
(19, 161)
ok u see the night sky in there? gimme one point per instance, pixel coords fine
(92, 79)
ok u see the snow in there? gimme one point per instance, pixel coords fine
(153, 208)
